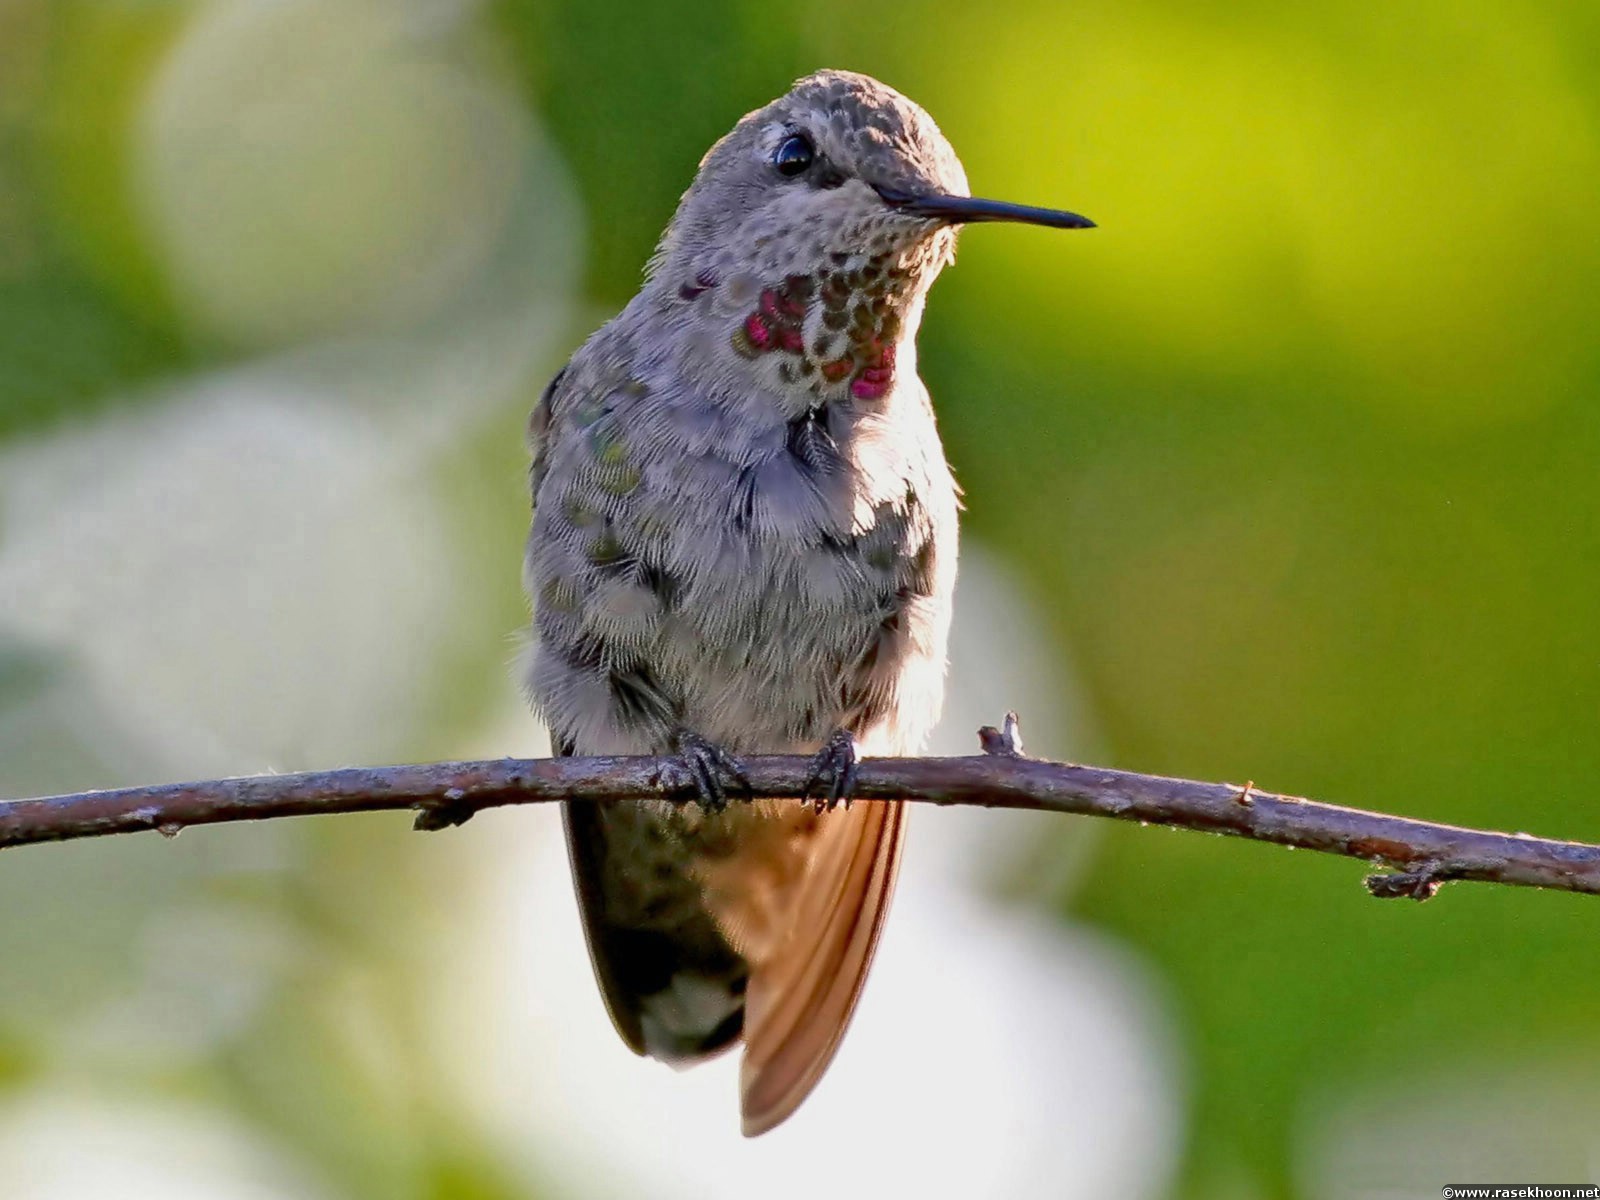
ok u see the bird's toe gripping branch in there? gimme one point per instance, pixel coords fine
(833, 773)
(709, 765)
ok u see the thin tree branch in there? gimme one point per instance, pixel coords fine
(1423, 854)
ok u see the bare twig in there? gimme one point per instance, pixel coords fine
(1424, 855)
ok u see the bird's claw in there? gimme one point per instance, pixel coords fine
(833, 773)
(708, 765)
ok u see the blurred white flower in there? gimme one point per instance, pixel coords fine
(58, 1143)
(312, 169)
(246, 583)
(256, 567)
(253, 571)
(201, 976)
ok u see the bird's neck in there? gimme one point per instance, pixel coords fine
(842, 328)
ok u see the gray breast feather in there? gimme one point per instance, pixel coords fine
(760, 579)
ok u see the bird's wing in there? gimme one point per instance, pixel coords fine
(586, 842)
(585, 846)
(539, 432)
(673, 992)
(673, 986)
(801, 996)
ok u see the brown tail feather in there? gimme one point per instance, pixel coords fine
(800, 999)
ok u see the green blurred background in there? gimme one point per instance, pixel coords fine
(1292, 463)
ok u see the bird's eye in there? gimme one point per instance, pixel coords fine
(794, 155)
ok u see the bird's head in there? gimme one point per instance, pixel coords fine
(816, 226)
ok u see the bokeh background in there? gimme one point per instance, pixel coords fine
(1287, 473)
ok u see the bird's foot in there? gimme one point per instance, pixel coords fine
(709, 765)
(833, 773)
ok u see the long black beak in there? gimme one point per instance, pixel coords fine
(958, 210)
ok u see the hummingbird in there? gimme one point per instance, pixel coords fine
(744, 542)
